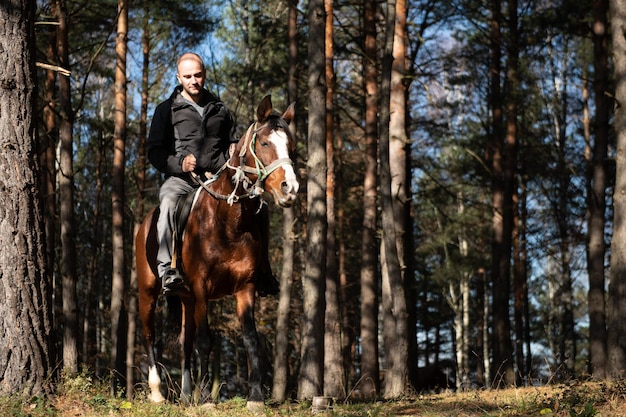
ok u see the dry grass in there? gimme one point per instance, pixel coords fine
(81, 398)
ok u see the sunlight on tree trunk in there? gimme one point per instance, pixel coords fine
(393, 297)
(118, 290)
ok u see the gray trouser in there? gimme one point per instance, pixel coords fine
(171, 190)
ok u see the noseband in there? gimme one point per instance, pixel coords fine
(242, 172)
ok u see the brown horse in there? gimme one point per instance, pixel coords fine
(222, 248)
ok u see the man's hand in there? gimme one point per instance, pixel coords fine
(189, 163)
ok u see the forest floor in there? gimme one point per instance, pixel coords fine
(81, 398)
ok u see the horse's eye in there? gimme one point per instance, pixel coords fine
(265, 143)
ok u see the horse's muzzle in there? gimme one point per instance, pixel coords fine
(284, 200)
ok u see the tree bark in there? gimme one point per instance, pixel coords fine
(334, 384)
(48, 153)
(502, 352)
(521, 309)
(281, 350)
(118, 310)
(66, 196)
(393, 298)
(139, 211)
(313, 283)
(509, 184)
(596, 199)
(369, 384)
(25, 307)
(616, 308)
(401, 166)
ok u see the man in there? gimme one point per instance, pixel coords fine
(191, 131)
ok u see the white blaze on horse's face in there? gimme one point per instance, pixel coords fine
(290, 183)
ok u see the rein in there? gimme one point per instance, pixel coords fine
(240, 177)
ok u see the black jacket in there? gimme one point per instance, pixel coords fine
(178, 129)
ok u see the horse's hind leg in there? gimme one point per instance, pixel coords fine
(148, 292)
(245, 311)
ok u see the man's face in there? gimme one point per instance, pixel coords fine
(191, 76)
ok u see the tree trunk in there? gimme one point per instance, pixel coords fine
(401, 167)
(616, 308)
(118, 311)
(313, 283)
(48, 154)
(139, 211)
(369, 381)
(502, 350)
(334, 384)
(66, 191)
(524, 359)
(348, 283)
(281, 350)
(519, 299)
(596, 199)
(25, 307)
(48, 165)
(564, 297)
(92, 310)
(509, 182)
(393, 298)
(462, 311)
(481, 375)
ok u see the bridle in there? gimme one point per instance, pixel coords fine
(252, 189)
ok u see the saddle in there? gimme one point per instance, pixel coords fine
(181, 215)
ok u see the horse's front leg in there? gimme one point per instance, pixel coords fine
(147, 305)
(187, 334)
(245, 311)
(203, 347)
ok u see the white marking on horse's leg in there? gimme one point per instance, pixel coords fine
(256, 407)
(154, 382)
(186, 387)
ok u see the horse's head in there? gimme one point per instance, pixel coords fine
(267, 150)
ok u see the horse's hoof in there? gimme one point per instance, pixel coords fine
(157, 398)
(256, 407)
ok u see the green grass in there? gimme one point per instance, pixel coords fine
(82, 397)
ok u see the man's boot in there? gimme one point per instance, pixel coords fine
(173, 281)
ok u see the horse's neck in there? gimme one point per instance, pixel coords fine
(224, 187)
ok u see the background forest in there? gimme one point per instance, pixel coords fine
(469, 167)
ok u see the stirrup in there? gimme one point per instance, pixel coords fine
(173, 281)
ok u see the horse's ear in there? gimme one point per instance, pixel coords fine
(265, 109)
(289, 114)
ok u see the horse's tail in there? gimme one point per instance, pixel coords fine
(174, 309)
